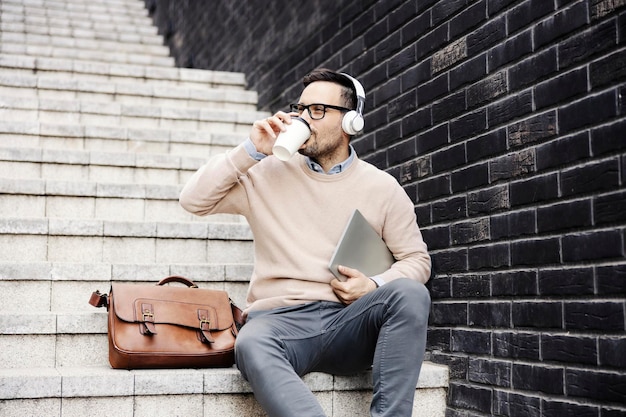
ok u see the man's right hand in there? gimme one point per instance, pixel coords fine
(265, 131)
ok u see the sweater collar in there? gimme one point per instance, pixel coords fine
(336, 169)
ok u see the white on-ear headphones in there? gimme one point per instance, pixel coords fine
(352, 122)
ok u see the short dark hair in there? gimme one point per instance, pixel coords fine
(348, 93)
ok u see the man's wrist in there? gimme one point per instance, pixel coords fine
(378, 280)
(252, 151)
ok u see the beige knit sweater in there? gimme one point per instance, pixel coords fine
(297, 216)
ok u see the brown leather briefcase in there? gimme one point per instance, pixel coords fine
(159, 326)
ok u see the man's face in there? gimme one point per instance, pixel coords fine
(326, 134)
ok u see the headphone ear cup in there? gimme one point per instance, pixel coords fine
(352, 123)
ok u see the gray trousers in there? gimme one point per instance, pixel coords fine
(385, 330)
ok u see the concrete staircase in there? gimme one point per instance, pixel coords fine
(98, 132)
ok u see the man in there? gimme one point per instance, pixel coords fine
(300, 318)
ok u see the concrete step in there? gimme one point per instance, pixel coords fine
(92, 113)
(78, 240)
(52, 88)
(112, 72)
(119, 14)
(95, 166)
(28, 48)
(19, 33)
(97, 201)
(96, 391)
(64, 287)
(216, 136)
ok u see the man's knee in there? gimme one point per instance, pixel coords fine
(411, 296)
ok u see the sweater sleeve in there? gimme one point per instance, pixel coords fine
(404, 238)
(216, 187)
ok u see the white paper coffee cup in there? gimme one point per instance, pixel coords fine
(288, 142)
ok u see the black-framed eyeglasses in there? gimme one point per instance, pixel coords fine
(317, 111)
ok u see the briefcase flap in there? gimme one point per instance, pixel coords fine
(188, 307)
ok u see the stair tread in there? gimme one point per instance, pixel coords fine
(102, 381)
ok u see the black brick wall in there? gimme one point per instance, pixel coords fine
(505, 120)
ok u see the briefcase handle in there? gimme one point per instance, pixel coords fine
(179, 279)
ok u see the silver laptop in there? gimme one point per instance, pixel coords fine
(360, 248)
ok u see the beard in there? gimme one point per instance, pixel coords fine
(321, 149)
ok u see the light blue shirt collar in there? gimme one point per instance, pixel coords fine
(340, 167)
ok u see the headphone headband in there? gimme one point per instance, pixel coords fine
(352, 122)
(359, 90)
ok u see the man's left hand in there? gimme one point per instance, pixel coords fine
(353, 288)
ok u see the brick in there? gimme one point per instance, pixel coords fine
(591, 110)
(596, 177)
(432, 188)
(447, 313)
(570, 349)
(602, 316)
(575, 281)
(438, 339)
(535, 252)
(512, 165)
(511, 50)
(496, 6)
(516, 345)
(449, 55)
(493, 314)
(471, 177)
(564, 216)
(600, 8)
(611, 351)
(489, 34)
(608, 69)
(436, 237)
(595, 41)
(415, 169)
(538, 378)
(401, 61)
(516, 283)
(471, 341)
(490, 372)
(468, 18)
(611, 280)
(538, 314)
(509, 108)
(402, 105)
(513, 404)
(468, 125)
(449, 107)
(599, 386)
(560, 24)
(489, 257)
(563, 151)
(415, 76)
(470, 397)
(490, 144)
(450, 261)
(514, 224)
(526, 13)
(433, 89)
(532, 130)
(388, 134)
(449, 158)
(453, 208)
(432, 139)
(592, 245)
(559, 89)
(388, 90)
(401, 152)
(534, 190)
(608, 138)
(443, 9)
(489, 200)
(439, 286)
(470, 286)
(399, 16)
(468, 72)
(419, 120)
(416, 28)
(487, 89)
(474, 230)
(388, 46)
(431, 41)
(557, 409)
